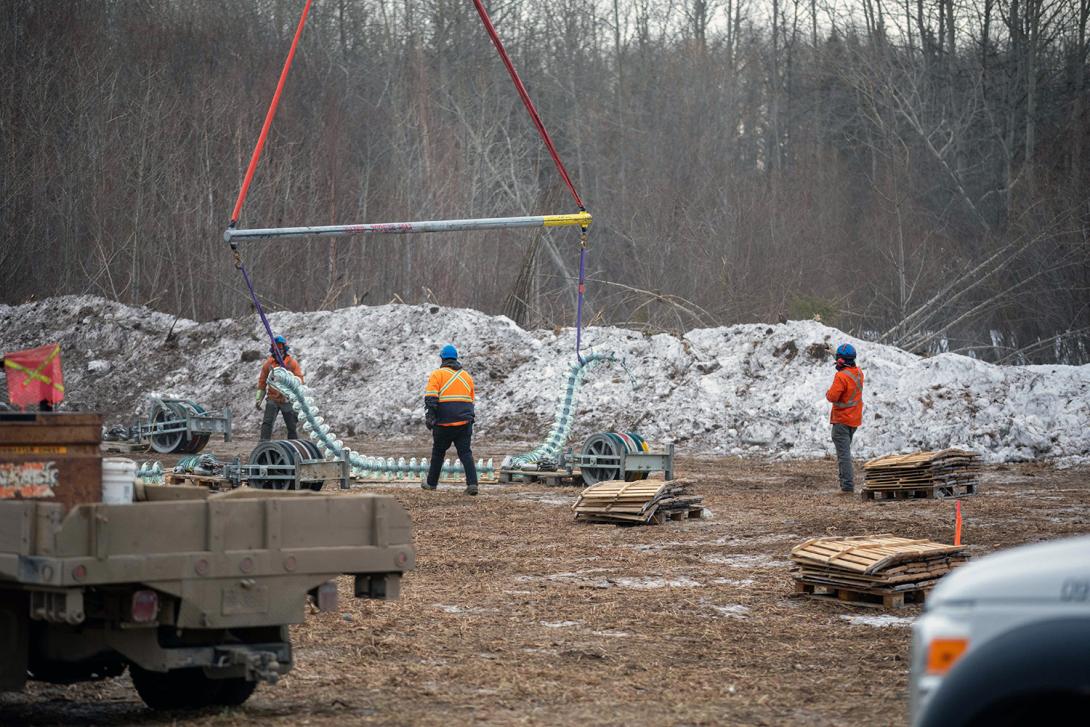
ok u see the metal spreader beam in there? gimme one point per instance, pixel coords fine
(583, 219)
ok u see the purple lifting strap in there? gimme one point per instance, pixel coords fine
(579, 306)
(261, 312)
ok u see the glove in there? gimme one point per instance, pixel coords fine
(260, 396)
(429, 419)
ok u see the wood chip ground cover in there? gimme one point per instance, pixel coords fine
(517, 614)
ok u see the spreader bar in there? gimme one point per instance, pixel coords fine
(583, 219)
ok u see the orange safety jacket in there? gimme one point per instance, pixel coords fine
(846, 395)
(290, 363)
(449, 395)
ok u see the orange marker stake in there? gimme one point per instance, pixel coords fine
(957, 523)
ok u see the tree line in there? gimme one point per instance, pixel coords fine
(913, 171)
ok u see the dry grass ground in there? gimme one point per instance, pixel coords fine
(516, 614)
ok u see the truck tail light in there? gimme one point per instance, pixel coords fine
(942, 654)
(145, 606)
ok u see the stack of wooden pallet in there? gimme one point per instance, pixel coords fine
(945, 473)
(643, 502)
(873, 569)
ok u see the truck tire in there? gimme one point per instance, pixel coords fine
(180, 689)
(1034, 669)
(175, 689)
(234, 691)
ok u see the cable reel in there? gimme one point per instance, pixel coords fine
(274, 464)
(605, 457)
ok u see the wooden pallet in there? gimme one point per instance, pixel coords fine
(122, 447)
(920, 459)
(924, 492)
(549, 478)
(872, 598)
(879, 570)
(649, 502)
(869, 554)
(947, 466)
(213, 482)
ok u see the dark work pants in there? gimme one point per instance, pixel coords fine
(290, 419)
(842, 440)
(441, 439)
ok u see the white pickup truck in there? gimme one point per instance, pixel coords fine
(1006, 641)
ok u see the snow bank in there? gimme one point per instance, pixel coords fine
(744, 389)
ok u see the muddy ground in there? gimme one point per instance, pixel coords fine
(517, 614)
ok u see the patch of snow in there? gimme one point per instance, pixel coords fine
(653, 582)
(759, 539)
(98, 366)
(448, 608)
(745, 561)
(559, 624)
(735, 610)
(881, 621)
(543, 499)
(744, 389)
(731, 581)
(611, 633)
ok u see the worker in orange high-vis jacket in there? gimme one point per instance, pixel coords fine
(276, 401)
(448, 413)
(846, 396)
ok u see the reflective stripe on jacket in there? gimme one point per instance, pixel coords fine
(450, 395)
(846, 396)
(289, 362)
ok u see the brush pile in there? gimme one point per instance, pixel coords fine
(643, 502)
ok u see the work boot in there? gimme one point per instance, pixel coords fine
(425, 486)
(471, 489)
(847, 490)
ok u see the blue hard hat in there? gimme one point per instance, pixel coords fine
(448, 351)
(845, 350)
(280, 339)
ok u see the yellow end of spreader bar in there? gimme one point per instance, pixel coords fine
(583, 219)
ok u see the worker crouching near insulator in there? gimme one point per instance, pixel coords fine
(846, 396)
(448, 413)
(276, 401)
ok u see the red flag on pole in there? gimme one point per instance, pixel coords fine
(35, 375)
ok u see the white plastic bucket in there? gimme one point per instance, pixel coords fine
(118, 475)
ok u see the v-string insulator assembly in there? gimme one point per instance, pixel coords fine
(580, 219)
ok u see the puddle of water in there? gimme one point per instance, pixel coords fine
(878, 621)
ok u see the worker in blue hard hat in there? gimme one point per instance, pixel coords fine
(846, 396)
(448, 413)
(277, 402)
